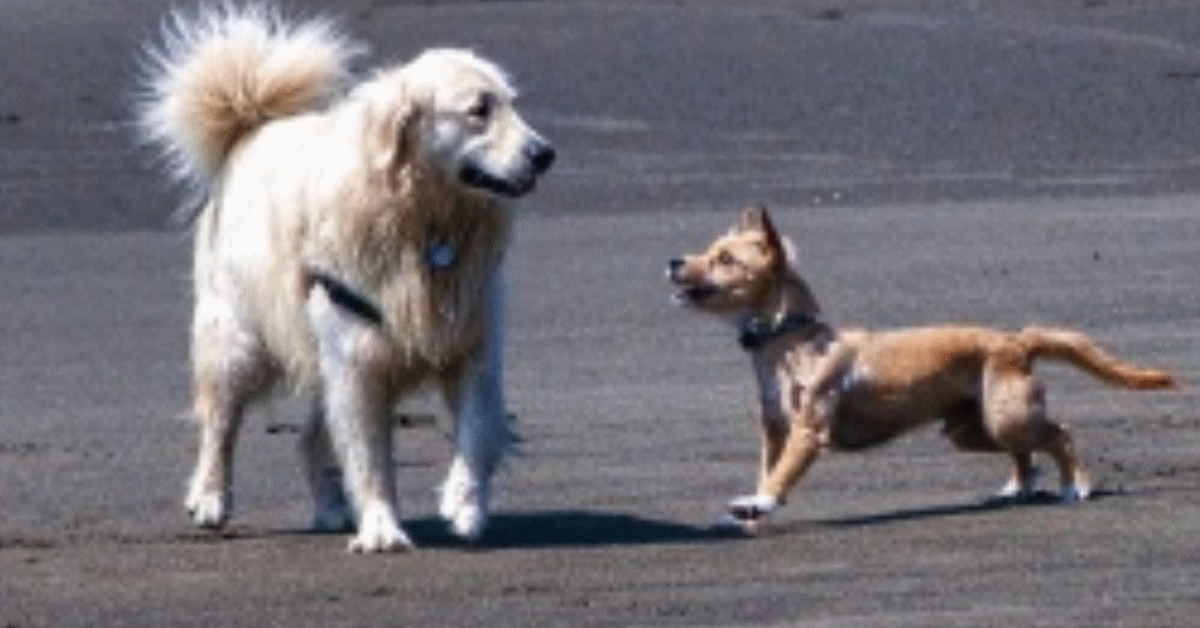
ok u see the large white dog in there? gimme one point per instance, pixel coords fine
(349, 244)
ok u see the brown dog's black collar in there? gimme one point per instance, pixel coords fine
(756, 332)
(343, 296)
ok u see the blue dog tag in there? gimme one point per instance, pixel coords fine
(441, 255)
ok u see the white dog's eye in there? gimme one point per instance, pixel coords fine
(726, 259)
(482, 108)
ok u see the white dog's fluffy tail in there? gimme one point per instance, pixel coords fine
(220, 74)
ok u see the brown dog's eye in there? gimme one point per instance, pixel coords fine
(726, 259)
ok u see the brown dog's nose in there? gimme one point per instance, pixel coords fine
(674, 267)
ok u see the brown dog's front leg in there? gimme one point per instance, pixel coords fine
(807, 432)
(774, 436)
(749, 512)
(800, 450)
(789, 449)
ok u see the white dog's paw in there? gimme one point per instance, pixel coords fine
(467, 515)
(469, 522)
(465, 507)
(748, 513)
(378, 531)
(208, 509)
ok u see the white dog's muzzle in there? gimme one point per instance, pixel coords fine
(537, 157)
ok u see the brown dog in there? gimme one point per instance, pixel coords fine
(849, 389)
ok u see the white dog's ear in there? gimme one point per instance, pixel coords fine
(391, 130)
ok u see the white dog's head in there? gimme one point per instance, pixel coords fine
(453, 110)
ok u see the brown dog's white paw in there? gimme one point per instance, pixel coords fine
(1075, 493)
(1020, 487)
(748, 513)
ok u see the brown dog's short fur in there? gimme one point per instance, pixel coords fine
(844, 389)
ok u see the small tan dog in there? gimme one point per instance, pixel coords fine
(849, 389)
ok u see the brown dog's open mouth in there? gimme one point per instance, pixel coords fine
(694, 294)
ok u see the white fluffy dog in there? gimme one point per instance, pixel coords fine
(350, 243)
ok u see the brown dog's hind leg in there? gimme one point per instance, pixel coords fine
(1015, 415)
(1056, 441)
(1021, 483)
(964, 425)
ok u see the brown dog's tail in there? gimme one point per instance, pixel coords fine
(1076, 348)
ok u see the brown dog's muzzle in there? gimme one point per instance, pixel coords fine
(694, 290)
(675, 269)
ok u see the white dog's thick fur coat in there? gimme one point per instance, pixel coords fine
(397, 188)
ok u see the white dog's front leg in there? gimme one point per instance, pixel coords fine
(331, 510)
(475, 395)
(480, 439)
(356, 415)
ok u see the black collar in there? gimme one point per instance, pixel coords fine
(345, 297)
(756, 332)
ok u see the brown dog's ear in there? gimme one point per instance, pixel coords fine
(757, 218)
(774, 241)
(753, 217)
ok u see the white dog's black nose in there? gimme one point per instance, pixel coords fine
(541, 155)
(674, 267)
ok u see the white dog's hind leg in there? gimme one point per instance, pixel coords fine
(475, 395)
(331, 510)
(228, 370)
(357, 407)
(208, 499)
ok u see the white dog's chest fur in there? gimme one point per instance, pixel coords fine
(273, 218)
(392, 191)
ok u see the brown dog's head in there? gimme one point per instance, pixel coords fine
(737, 272)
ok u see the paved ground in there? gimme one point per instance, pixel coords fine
(1002, 162)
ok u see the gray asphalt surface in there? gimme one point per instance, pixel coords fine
(999, 162)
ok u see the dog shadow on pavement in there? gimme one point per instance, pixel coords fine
(1037, 500)
(569, 528)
